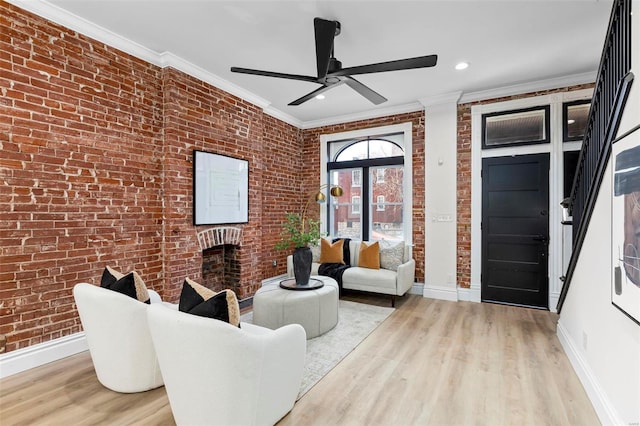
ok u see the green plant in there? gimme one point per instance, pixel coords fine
(298, 232)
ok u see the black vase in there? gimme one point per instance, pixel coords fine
(302, 265)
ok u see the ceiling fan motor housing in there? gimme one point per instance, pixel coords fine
(334, 65)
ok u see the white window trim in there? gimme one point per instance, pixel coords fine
(555, 149)
(407, 182)
(380, 172)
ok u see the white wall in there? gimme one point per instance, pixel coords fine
(602, 343)
(440, 197)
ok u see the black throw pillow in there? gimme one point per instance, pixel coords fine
(198, 300)
(130, 284)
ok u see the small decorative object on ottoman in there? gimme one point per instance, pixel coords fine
(316, 309)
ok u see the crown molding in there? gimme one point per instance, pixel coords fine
(533, 86)
(62, 17)
(364, 115)
(168, 59)
(282, 116)
(444, 98)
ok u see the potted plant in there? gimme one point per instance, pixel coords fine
(298, 233)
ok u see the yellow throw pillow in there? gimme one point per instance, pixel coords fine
(331, 253)
(369, 256)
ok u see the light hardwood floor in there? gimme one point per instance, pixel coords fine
(431, 362)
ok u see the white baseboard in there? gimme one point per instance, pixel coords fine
(605, 411)
(416, 288)
(553, 301)
(440, 292)
(43, 353)
(469, 294)
(275, 279)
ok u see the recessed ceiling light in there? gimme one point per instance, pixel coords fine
(462, 65)
(571, 121)
(320, 96)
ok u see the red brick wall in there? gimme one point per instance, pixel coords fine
(464, 178)
(80, 170)
(281, 187)
(96, 170)
(311, 155)
(200, 116)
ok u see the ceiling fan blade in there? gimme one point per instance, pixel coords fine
(274, 74)
(325, 32)
(400, 64)
(373, 96)
(315, 93)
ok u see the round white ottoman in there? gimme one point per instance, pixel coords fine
(315, 310)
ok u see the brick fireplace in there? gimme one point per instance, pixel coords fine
(220, 258)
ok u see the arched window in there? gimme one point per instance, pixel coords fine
(365, 149)
(371, 172)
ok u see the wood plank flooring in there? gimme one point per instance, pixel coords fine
(431, 362)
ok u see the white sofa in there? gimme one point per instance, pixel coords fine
(218, 374)
(384, 281)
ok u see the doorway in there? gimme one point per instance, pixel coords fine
(515, 230)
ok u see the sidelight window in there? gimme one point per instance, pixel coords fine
(575, 116)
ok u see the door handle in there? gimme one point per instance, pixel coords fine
(541, 238)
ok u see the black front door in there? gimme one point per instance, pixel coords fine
(515, 230)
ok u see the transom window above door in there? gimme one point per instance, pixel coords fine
(517, 127)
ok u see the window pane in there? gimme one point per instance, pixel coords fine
(379, 148)
(344, 212)
(355, 205)
(357, 151)
(570, 162)
(515, 128)
(356, 177)
(575, 117)
(387, 203)
(364, 149)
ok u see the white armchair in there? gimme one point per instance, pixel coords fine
(216, 373)
(119, 342)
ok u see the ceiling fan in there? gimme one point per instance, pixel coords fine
(330, 71)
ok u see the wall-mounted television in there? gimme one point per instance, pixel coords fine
(220, 189)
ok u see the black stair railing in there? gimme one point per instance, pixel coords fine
(609, 96)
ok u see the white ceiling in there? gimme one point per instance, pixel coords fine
(507, 43)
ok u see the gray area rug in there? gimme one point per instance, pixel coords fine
(355, 322)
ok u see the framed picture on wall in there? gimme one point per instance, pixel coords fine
(220, 189)
(625, 214)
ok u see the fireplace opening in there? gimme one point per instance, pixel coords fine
(221, 268)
